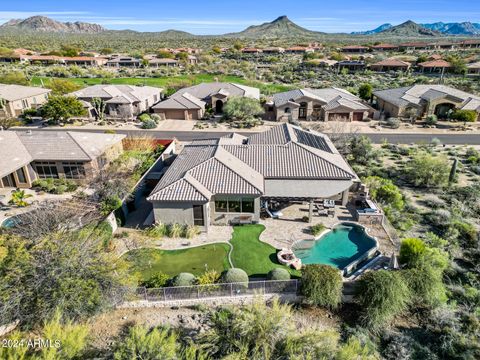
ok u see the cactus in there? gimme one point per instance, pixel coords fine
(453, 171)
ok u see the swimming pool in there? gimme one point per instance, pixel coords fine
(343, 247)
(9, 222)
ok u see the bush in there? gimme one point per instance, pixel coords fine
(411, 251)
(393, 123)
(157, 231)
(278, 274)
(426, 286)
(191, 231)
(155, 117)
(157, 281)
(381, 295)
(467, 233)
(322, 285)
(208, 277)
(175, 230)
(109, 204)
(431, 120)
(465, 115)
(427, 170)
(317, 229)
(55, 186)
(149, 124)
(144, 117)
(235, 275)
(183, 279)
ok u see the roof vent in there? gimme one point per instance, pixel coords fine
(29, 132)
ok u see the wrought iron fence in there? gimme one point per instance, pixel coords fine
(216, 290)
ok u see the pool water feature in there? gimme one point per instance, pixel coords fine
(344, 247)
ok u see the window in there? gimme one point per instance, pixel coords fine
(234, 205)
(198, 218)
(25, 103)
(46, 170)
(22, 179)
(287, 110)
(73, 170)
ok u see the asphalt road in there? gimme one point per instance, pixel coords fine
(449, 139)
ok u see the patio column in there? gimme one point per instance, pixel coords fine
(345, 197)
(310, 211)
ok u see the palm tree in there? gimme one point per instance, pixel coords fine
(18, 198)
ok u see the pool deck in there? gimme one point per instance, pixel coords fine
(283, 232)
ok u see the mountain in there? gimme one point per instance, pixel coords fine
(45, 24)
(410, 29)
(374, 31)
(463, 28)
(279, 28)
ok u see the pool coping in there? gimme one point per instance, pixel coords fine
(367, 255)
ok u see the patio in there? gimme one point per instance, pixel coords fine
(290, 227)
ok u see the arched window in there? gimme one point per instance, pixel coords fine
(287, 110)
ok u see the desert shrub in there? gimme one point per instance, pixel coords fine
(317, 229)
(393, 123)
(385, 192)
(149, 124)
(428, 170)
(465, 115)
(467, 233)
(381, 295)
(411, 251)
(208, 277)
(109, 204)
(157, 231)
(235, 275)
(431, 120)
(278, 274)
(426, 286)
(191, 231)
(144, 117)
(55, 186)
(155, 117)
(322, 285)
(175, 230)
(183, 279)
(156, 281)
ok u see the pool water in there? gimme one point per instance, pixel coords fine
(9, 222)
(339, 247)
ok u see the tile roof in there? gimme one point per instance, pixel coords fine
(206, 90)
(413, 95)
(14, 154)
(392, 62)
(235, 164)
(183, 101)
(121, 93)
(12, 92)
(436, 63)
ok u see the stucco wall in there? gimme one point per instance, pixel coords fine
(305, 188)
(218, 218)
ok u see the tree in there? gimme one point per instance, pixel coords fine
(66, 271)
(411, 251)
(62, 108)
(242, 108)
(360, 150)
(465, 116)
(62, 86)
(427, 170)
(182, 56)
(106, 51)
(99, 106)
(165, 54)
(322, 285)
(365, 91)
(18, 198)
(385, 192)
(381, 295)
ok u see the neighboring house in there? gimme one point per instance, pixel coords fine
(121, 101)
(299, 50)
(85, 60)
(14, 99)
(355, 49)
(252, 51)
(423, 100)
(473, 68)
(274, 50)
(231, 179)
(163, 62)
(126, 61)
(327, 63)
(390, 65)
(435, 66)
(182, 107)
(351, 65)
(442, 45)
(27, 156)
(317, 105)
(214, 95)
(471, 44)
(384, 47)
(414, 46)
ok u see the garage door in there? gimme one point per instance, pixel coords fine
(339, 117)
(175, 114)
(358, 116)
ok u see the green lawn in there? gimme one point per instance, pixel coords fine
(171, 81)
(252, 255)
(147, 262)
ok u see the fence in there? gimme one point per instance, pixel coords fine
(217, 290)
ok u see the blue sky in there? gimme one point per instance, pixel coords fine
(221, 16)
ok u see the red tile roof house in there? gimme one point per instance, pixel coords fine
(473, 68)
(355, 49)
(229, 180)
(443, 45)
(414, 46)
(471, 44)
(30, 155)
(384, 47)
(251, 51)
(390, 65)
(435, 66)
